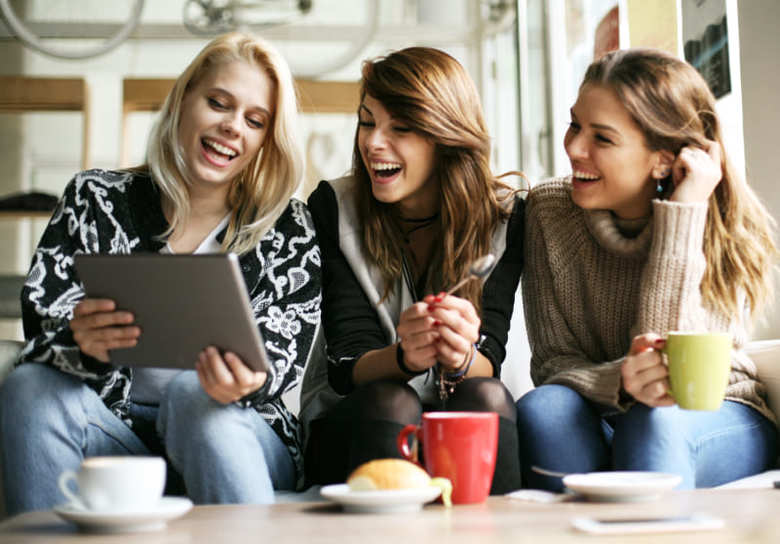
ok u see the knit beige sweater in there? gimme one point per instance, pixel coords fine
(588, 289)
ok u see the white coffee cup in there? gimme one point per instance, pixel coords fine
(116, 484)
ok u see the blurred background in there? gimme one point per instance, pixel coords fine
(81, 80)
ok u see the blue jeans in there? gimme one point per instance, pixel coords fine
(562, 431)
(50, 421)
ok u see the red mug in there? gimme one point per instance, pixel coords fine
(460, 446)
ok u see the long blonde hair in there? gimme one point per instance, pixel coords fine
(431, 93)
(674, 108)
(259, 195)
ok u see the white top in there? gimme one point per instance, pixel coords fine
(150, 383)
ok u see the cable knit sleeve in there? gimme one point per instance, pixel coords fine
(670, 295)
(561, 346)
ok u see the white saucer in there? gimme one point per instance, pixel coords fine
(625, 486)
(152, 519)
(380, 501)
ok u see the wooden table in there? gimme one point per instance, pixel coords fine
(752, 516)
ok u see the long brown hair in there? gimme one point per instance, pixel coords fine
(674, 108)
(431, 93)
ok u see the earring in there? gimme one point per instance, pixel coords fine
(659, 188)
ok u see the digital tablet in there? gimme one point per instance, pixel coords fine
(183, 303)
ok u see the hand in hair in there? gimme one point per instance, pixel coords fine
(644, 375)
(696, 172)
(418, 335)
(226, 379)
(98, 328)
(458, 327)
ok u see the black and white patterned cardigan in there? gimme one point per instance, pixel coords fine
(120, 212)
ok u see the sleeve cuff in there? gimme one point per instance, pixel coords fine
(678, 228)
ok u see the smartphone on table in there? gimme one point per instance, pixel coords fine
(622, 526)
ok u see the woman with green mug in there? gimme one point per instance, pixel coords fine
(653, 232)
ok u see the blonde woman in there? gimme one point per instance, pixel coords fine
(223, 162)
(652, 232)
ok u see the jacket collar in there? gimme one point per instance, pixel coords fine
(145, 203)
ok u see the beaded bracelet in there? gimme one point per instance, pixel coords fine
(399, 359)
(448, 380)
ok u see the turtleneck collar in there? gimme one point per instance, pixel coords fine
(627, 237)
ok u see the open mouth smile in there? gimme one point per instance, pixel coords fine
(385, 172)
(217, 153)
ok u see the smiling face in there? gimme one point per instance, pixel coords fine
(224, 121)
(612, 167)
(398, 159)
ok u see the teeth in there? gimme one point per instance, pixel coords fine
(220, 148)
(585, 175)
(384, 165)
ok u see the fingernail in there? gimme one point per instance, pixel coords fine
(659, 343)
(431, 307)
(437, 299)
(436, 323)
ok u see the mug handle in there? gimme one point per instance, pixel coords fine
(665, 351)
(402, 441)
(64, 482)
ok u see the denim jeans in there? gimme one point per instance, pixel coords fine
(562, 431)
(50, 421)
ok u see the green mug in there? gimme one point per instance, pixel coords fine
(699, 367)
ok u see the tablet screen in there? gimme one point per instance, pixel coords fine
(183, 303)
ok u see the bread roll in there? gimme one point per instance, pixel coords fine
(388, 474)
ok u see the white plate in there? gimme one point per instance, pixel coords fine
(152, 519)
(625, 486)
(384, 501)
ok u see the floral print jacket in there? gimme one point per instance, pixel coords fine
(120, 212)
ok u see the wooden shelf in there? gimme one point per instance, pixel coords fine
(11, 214)
(20, 94)
(144, 94)
(24, 94)
(315, 96)
(328, 96)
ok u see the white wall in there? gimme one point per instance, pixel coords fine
(759, 21)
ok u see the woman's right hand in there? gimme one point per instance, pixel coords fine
(97, 328)
(417, 333)
(643, 373)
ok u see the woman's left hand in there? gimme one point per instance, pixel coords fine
(696, 172)
(458, 326)
(645, 376)
(226, 379)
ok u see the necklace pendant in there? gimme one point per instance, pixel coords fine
(442, 390)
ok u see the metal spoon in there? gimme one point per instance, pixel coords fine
(478, 269)
(546, 472)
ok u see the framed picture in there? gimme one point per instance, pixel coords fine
(706, 42)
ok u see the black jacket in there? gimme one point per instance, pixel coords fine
(120, 212)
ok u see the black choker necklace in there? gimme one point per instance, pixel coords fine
(429, 219)
(418, 223)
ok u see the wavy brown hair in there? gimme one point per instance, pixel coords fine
(675, 108)
(431, 93)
